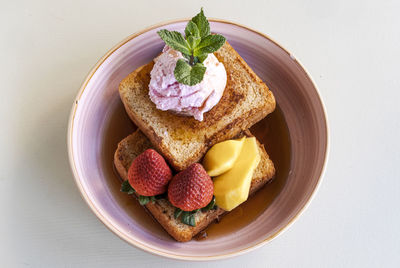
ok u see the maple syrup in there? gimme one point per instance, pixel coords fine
(271, 131)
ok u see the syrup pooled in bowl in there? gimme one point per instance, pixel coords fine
(272, 131)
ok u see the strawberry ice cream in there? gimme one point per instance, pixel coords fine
(168, 94)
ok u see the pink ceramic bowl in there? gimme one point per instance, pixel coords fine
(296, 137)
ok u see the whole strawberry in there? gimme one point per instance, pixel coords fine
(191, 188)
(149, 174)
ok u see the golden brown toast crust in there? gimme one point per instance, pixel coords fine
(184, 140)
(130, 147)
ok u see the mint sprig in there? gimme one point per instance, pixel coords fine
(195, 48)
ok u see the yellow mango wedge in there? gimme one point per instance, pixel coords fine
(232, 188)
(222, 156)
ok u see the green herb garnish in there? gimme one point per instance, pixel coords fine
(195, 48)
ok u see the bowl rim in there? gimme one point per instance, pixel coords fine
(146, 248)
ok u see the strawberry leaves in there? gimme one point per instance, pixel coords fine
(143, 200)
(127, 188)
(210, 206)
(195, 48)
(188, 217)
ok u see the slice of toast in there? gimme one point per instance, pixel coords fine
(183, 140)
(130, 147)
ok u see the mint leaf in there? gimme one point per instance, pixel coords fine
(202, 24)
(202, 57)
(189, 75)
(175, 40)
(143, 200)
(127, 188)
(193, 41)
(209, 44)
(192, 30)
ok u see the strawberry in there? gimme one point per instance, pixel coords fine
(191, 188)
(149, 174)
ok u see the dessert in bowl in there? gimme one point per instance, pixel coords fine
(295, 135)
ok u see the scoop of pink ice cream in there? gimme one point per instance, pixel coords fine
(169, 94)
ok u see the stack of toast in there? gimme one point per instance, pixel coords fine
(183, 140)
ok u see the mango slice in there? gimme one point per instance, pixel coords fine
(222, 156)
(232, 188)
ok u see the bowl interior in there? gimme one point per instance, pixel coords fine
(295, 136)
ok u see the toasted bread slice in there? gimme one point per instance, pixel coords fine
(183, 140)
(130, 147)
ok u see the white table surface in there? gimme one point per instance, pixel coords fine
(351, 48)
